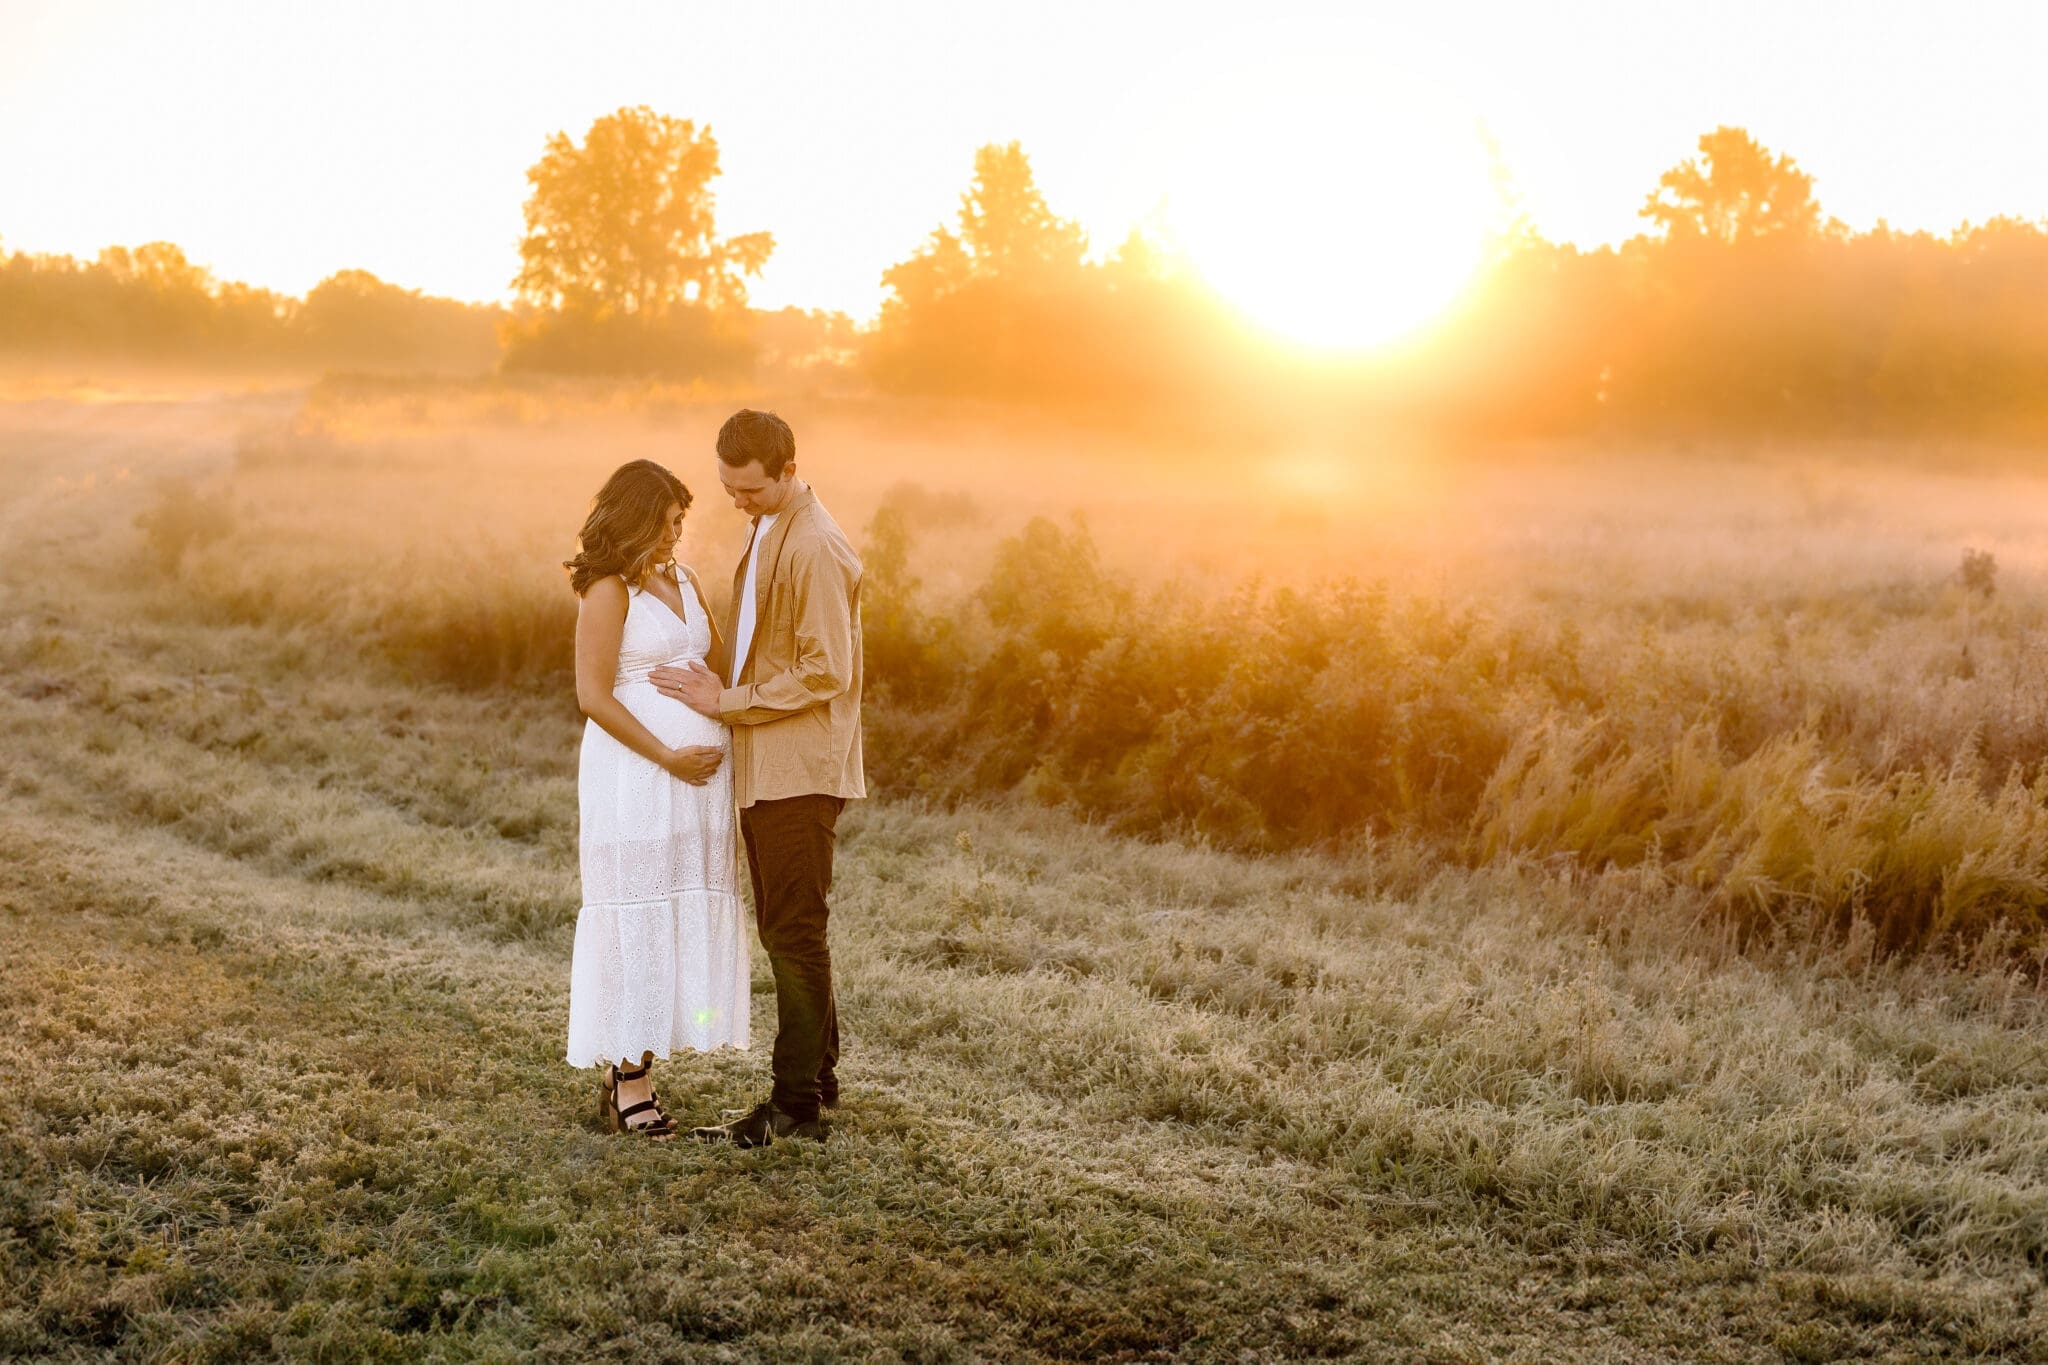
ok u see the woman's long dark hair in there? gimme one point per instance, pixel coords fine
(626, 522)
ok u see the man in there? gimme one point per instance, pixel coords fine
(794, 708)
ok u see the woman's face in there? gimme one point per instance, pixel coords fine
(671, 532)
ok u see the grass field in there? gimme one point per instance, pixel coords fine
(288, 932)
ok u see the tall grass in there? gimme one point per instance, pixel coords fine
(1819, 753)
(1806, 790)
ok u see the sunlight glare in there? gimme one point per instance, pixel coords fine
(1320, 475)
(1338, 208)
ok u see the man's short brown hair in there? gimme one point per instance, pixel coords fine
(750, 436)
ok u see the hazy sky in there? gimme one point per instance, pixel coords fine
(278, 142)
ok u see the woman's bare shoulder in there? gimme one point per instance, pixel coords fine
(609, 591)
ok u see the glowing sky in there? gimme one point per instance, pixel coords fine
(278, 142)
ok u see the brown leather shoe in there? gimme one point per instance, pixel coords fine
(760, 1127)
(807, 1130)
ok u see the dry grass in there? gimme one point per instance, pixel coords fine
(1761, 674)
(288, 941)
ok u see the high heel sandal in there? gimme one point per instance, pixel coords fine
(659, 1127)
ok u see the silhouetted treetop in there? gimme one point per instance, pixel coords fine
(1735, 190)
(1005, 224)
(355, 317)
(153, 302)
(623, 225)
(1006, 233)
(1006, 301)
(160, 267)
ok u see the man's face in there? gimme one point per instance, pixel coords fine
(752, 491)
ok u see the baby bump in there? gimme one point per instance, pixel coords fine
(671, 722)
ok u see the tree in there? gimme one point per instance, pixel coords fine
(160, 267)
(1005, 225)
(155, 298)
(354, 317)
(622, 226)
(1006, 234)
(1735, 190)
(986, 307)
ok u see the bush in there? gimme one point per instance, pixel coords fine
(182, 519)
(1282, 719)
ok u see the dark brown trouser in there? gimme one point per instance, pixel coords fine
(789, 858)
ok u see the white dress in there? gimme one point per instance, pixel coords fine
(661, 945)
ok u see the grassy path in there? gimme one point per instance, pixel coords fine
(1112, 1099)
(254, 1107)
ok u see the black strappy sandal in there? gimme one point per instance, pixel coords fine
(659, 1127)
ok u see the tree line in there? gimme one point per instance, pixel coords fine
(1742, 305)
(150, 303)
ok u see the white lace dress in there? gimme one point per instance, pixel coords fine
(661, 944)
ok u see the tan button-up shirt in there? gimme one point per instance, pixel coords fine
(794, 702)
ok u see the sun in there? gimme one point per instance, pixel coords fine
(1336, 208)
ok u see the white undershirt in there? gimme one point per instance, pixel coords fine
(744, 637)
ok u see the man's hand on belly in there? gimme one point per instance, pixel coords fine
(696, 687)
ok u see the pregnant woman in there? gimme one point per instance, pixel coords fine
(661, 954)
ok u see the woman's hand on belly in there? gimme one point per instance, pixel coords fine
(695, 764)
